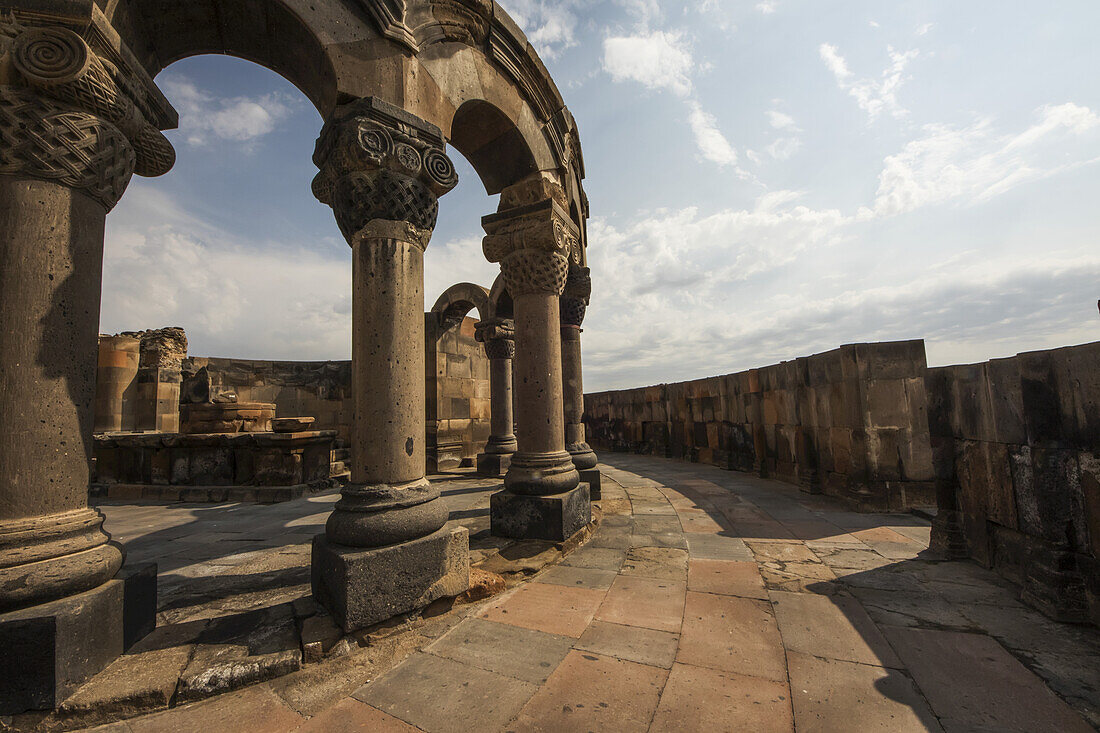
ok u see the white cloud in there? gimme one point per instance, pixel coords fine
(550, 25)
(874, 96)
(975, 163)
(788, 143)
(236, 119)
(923, 30)
(767, 7)
(657, 60)
(712, 144)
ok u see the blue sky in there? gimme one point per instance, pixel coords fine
(768, 180)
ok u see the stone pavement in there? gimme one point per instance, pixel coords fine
(713, 600)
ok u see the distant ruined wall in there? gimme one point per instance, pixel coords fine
(851, 423)
(457, 383)
(1017, 449)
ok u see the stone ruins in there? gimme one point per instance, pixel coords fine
(831, 539)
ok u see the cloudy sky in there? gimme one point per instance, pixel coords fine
(768, 180)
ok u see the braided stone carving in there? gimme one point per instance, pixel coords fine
(532, 244)
(534, 271)
(68, 117)
(378, 162)
(499, 337)
(576, 295)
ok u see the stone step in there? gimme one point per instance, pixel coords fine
(341, 454)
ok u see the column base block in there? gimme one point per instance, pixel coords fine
(556, 517)
(493, 465)
(363, 586)
(591, 476)
(52, 649)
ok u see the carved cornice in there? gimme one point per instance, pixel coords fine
(380, 163)
(543, 226)
(69, 115)
(418, 25)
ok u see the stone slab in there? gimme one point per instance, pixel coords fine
(51, 649)
(601, 558)
(254, 709)
(726, 577)
(594, 479)
(438, 694)
(732, 634)
(972, 683)
(700, 699)
(351, 716)
(717, 547)
(831, 695)
(579, 577)
(589, 692)
(834, 627)
(497, 648)
(554, 609)
(634, 644)
(666, 563)
(363, 587)
(556, 518)
(646, 602)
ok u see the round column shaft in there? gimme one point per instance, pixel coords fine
(51, 261)
(574, 302)
(502, 438)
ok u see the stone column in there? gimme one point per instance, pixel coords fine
(499, 337)
(158, 380)
(385, 550)
(574, 302)
(541, 497)
(70, 139)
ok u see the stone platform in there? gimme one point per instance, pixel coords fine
(706, 599)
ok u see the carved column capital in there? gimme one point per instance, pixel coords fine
(499, 337)
(533, 245)
(379, 166)
(70, 115)
(576, 296)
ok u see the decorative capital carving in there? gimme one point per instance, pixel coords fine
(543, 226)
(499, 337)
(576, 295)
(378, 162)
(69, 115)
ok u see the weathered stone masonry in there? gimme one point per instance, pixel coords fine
(850, 422)
(1008, 450)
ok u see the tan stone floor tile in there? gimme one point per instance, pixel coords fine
(632, 643)
(351, 716)
(832, 696)
(662, 563)
(727, 577)
(700, 699)
(732, 634)
(782, 551)
(645, 602)
(834, 627)
(252, 710)
(590, 692)
(555, 609)
(697, 520)
(972, 683)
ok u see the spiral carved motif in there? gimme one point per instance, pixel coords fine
(408, 158)
(51, 56)
(440, 168)
(534, 271)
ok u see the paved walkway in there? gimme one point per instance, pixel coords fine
(711, 600)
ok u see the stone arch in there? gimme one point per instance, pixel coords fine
(500, 300)
(461, 65)
(458, 300)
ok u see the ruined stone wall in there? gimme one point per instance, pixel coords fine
(851, 423)
(1017, 451)
(319, 389)
(457, 383)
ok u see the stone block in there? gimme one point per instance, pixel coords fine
(493, 464)
(51, 649)
(556, 518)
(139, 601)
(361, 587)
(593, 478)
